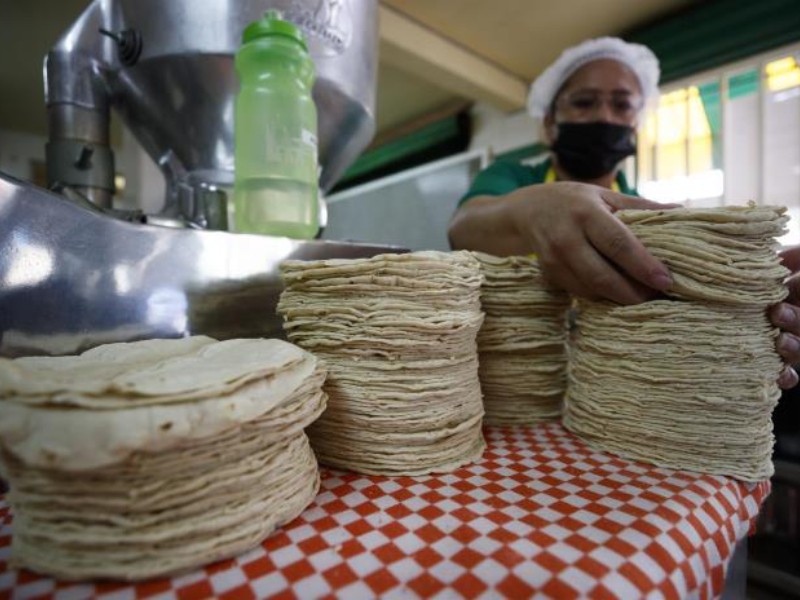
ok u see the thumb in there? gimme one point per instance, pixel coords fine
(791, 258)
(616, 201)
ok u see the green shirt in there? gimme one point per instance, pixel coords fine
(503, 177)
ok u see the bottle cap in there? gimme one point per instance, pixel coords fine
(272, 24)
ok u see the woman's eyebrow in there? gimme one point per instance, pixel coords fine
(597, 90)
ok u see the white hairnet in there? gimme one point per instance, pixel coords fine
(639, 59)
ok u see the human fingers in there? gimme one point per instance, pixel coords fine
(561, 276)
(793, 285)
(791, 258)
(569, 261)
(787, 317)
(617, 244)
(618, 201)
(788, 378)
(789, 348)
(564, 278)
(602, 280)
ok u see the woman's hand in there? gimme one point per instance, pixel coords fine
(583, 248)
(786, 315)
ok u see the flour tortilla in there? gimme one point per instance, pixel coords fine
(146, 372)
(82, 552)
(398, 334)
(725, 255)
(110, 480)
(83, 438)
(522, 342)
(680, 384)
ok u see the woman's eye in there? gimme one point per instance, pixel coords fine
(583, 103)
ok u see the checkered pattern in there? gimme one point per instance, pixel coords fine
(540, 513)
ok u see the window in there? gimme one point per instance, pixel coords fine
(727, 137)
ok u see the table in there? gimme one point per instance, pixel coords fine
(539, 514)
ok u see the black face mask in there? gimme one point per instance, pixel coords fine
(591, 150)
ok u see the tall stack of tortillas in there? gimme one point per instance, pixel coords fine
(397, 332)
(522, 343)
(145, 459)
(688, 383)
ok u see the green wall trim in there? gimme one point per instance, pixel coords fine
(743, 84)
(400, 148)
(718, 32)
(710, 99)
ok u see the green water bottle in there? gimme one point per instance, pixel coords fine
(275, 188)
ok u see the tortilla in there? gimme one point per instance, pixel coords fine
(398, 333)
(109, 479)
(522, 342)
(688, 382)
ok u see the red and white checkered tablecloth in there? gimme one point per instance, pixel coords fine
(539, 515)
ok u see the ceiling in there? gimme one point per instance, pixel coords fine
(433, 52)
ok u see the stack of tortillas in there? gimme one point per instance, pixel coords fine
(149, 458)
(522, 343)
(397, 333)
(688, 383)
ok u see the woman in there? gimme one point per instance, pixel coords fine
(590, 101)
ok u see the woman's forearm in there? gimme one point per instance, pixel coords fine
(582, 247)
(489, 224)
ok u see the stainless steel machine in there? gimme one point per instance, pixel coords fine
(72, 273)
(166, 67)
